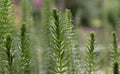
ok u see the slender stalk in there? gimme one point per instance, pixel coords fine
(115, 55)
(91, 53)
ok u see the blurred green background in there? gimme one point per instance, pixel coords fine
(88, 15)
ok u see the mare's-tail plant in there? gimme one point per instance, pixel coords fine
(115, 55)
(9, 54)
(6, 22)
(59, 48)
(91, 53)
(69, 34)
(25, 60)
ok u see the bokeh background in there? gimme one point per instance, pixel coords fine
(100, 16)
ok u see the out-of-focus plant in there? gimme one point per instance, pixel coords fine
(45, 22)
(43, 32)
(77, 53)
(6, 22)
(26, 10)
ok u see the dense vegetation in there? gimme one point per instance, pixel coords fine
(51, 47)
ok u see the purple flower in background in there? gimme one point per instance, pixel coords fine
(37, 3)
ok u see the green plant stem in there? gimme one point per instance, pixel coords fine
(115, 55)
(115, 47)
(91, 54)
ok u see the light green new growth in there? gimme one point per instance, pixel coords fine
(115, 55)
(91, 53)
(25, 62)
